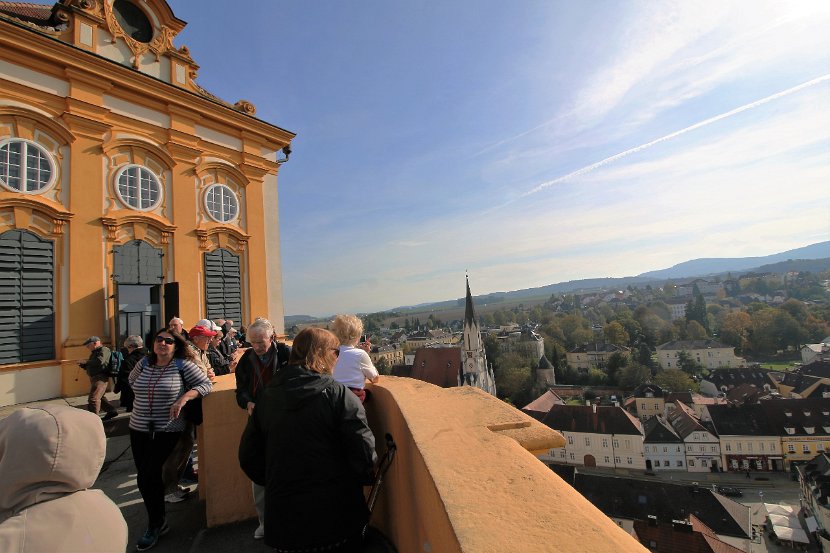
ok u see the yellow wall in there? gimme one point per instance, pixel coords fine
(93, 115)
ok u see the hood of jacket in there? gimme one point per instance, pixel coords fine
(295, 385)
(47, 452)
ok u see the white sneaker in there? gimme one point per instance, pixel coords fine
(259, 533)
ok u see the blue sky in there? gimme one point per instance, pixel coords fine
(434, 137)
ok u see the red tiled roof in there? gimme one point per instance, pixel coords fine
(543, 403)
(35, 13)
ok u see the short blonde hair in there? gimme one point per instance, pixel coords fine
(311, 348)
(347, 328)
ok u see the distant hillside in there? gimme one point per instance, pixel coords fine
(814, 258)
(713, 266)
(291, 320)
(797, 265)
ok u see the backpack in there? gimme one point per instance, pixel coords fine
(114, 366)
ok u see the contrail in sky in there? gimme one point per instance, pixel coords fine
(675, 134)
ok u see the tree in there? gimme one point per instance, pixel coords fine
(514, 384)
(383, 366)
(735, 329)
(615, 334)
(596, 377)
(687, 363)
(674, 380)
(632, 376)
(695, 331)
(616, 361)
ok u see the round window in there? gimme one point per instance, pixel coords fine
(133, 20)
(221, 203)
(138, 187)
(25, 166)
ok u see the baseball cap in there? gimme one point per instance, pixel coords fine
(199, 330)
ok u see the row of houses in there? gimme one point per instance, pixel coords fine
(767, 436)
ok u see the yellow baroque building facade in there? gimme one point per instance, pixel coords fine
(128, 194)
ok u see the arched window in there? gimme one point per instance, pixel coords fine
(223, 290)
(25, 166)
(27, 306)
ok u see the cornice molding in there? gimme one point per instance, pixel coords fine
(36, 45)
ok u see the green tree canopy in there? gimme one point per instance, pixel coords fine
(632, 376)
(675, 380)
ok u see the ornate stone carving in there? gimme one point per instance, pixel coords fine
(245, 107)
(161, 43)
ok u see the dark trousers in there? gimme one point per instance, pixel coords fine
(127, 395)
(149, 453)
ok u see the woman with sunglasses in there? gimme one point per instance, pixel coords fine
(162, 382)
(309, 444)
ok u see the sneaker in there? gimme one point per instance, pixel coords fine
(177, 497)
(151, 537)
(259, 533)
(110, 416)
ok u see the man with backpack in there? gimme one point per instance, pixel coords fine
(98, 368)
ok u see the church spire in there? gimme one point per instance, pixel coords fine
(469, 312)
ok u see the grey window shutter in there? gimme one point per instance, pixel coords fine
(27, 307)
(223, 285)
(137, 262)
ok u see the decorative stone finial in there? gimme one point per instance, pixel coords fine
(245, 107)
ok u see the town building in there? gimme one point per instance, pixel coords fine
(747, 440)
(524, 341)
(128, 193)
(701, 443)
(664, 448)
(721, 381)
(597, 436)
(627, 500)
(391, 355)
(814, 479)
(648, 401)
(816, 352)
(811, 380)
(594, 355)
(802, 424)
(709, 354)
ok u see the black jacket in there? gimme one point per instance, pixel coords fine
(309, 443)
(248, 385)
(218, 362)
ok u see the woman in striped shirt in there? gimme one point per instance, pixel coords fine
(162, 382)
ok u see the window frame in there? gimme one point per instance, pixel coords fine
(233, 195)
(117, 184)
(53, 166)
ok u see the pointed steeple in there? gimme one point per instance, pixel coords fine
(469, 312)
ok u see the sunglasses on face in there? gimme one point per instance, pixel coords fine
(168, 341)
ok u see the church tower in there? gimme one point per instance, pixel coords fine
(474, 369)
